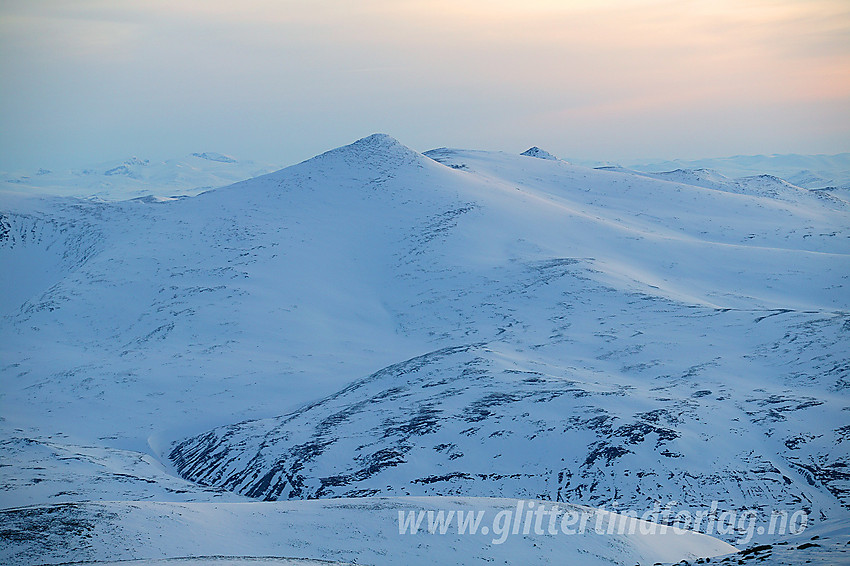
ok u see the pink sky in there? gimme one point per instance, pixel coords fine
(283, 80)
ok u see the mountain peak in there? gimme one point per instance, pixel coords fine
(378, 138)
(136, 161)
(213, 156)
(379, 143)
(538, 153)
(377, 152)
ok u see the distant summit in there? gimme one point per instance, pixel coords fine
(377, 143)
(127, 168)
(538, 153)
(212, 156)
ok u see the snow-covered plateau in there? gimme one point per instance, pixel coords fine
(279, 370)
(135, 177)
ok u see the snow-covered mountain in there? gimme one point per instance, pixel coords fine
(539, 153)
(763, 185)
(379, 323)
(809, 171)
(135, 178)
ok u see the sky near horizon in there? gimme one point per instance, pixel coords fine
(85, 81)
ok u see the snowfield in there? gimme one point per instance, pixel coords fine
(275, 368)
(364, 530)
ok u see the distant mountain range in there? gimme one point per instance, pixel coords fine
(197, 172)
(808, 171)
(134, 177)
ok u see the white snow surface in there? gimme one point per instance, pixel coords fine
(382, 323)
(364, 530)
